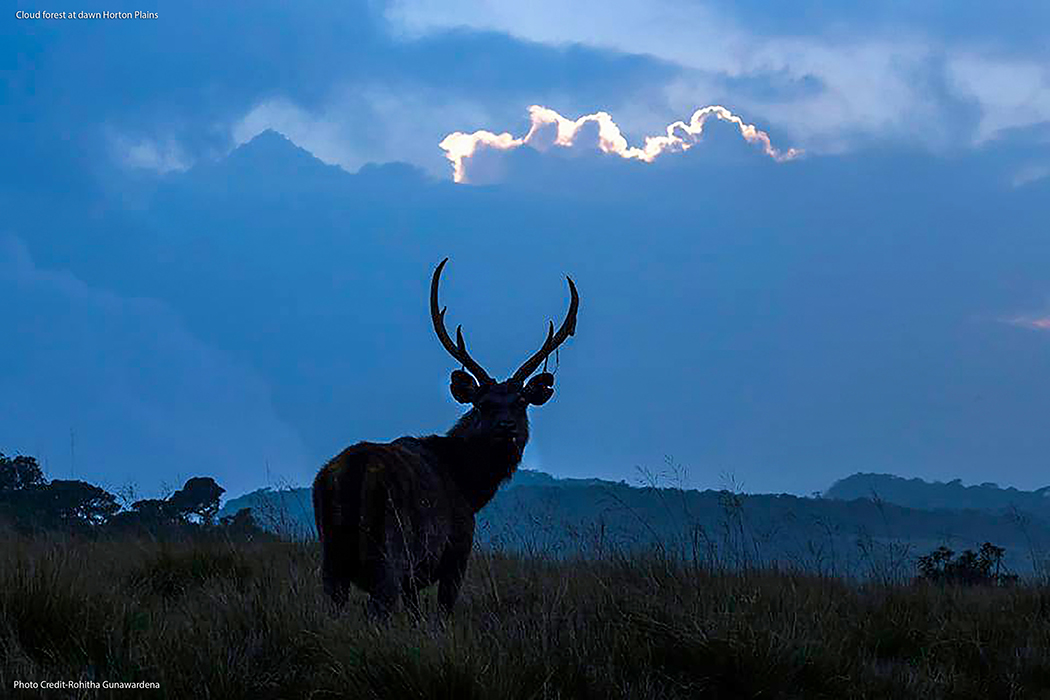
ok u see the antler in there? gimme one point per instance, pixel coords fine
(458, 349)
(568, 327)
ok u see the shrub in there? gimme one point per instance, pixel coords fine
(984, 567)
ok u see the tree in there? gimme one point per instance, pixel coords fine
(73, 502)
(19, 473)
(154, 509)
(190, 511)
(241, 525)
(199, 496)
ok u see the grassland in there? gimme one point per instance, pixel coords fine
(223, 620)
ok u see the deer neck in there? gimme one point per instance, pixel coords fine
(477, 464)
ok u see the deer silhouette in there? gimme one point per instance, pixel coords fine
(395, 517)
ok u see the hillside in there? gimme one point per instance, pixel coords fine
(917, 493)
(536, 512)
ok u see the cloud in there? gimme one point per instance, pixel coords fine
(159, 155)
(549, 129)
(1030, 173)
(1035, 323)
(340, 83)
(148, 403)
(1013, 92)
(868, 72)
(378, 82)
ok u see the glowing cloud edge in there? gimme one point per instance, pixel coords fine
(679, 136)
(1035, 323)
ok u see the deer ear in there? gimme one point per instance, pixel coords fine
(539, 389)
(464, 387)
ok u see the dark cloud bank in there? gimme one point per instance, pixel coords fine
(78, 89)
(787, 324)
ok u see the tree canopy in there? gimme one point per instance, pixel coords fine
(31, 503)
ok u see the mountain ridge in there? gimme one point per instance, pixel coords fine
(271, 162)
(952, 495)
(537, 511)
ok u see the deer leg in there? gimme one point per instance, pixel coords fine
(390, 567)
(448, 585)
(454, 565)
(334, 575)
(383, 599)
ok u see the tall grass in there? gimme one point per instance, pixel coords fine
(218, 620)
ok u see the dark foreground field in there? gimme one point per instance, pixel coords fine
(250, 621)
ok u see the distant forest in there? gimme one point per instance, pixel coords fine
(862, 524)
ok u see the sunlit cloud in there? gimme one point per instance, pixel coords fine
(1035, 323)
(550, 129)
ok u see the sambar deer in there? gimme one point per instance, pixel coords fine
(395, 517)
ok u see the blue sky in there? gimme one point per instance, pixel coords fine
(880, 302)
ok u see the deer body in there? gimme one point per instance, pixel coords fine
(393, 518)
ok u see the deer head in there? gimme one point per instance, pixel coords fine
(499, 408)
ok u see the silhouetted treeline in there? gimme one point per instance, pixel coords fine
(917, 493)
(30, 503)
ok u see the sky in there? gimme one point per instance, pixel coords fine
(809, 240)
